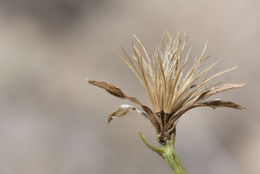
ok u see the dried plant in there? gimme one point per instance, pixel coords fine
(174, 83)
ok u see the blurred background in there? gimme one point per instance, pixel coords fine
(53, 122)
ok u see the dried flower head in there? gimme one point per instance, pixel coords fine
(172, 85)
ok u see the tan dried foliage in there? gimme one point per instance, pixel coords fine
(172, 91)
(219, 103)
(124, 109)
(109, 88)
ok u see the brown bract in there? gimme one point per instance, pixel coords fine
(172, 86)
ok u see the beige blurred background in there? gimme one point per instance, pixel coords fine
(53, 122)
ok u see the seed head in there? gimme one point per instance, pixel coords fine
(172, 86)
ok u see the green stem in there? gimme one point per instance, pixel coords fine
(168, 153)
(171, 157)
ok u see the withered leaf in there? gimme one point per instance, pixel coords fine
(153, 118)
(123, 110)
(134, 100)
(109, 88)
(219, 103)
(211, 103)
(114, 91)
(218, 89)
(148, 110)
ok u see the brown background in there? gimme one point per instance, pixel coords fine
(53, 122)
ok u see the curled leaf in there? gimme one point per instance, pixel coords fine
(123, 110)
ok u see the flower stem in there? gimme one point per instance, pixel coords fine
(168, 153)
(171, 157)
